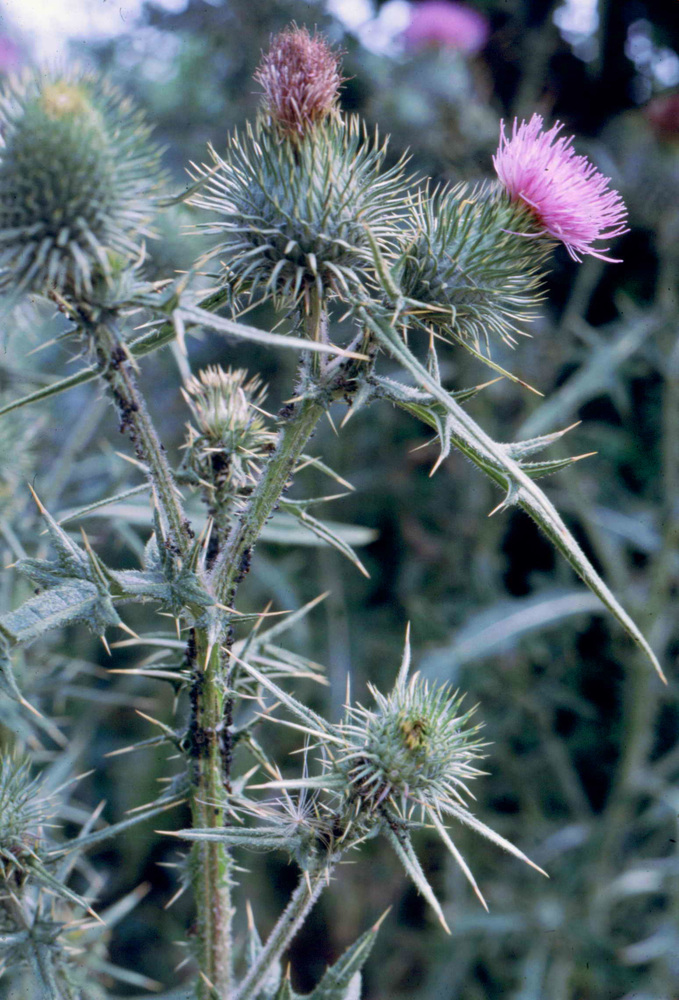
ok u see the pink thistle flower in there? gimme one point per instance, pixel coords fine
(566, 193)
(444, 22)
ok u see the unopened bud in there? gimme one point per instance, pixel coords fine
(300, 77)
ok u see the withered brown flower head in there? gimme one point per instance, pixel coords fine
(300, 76)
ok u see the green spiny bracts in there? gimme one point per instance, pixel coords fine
(471, 262)
(77, 176)
(293, 216)
(401, 765)
(415, 749)
(229, 438)
(23, 811)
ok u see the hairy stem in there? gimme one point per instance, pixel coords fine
(117, 368)
(291, 919)
(210, 862)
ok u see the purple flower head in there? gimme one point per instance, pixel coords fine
(447, 23)
(570, 198)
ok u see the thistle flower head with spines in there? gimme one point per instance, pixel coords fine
(463, 267)
(77, 180)
(300, 76)
(404, 764)
(565, 193)
(293, 217)
(23, 812)
(293, 197)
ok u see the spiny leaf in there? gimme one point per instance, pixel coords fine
(76, 601)
(401, 843)
(496, 463)
(325, 533)
(340, 980)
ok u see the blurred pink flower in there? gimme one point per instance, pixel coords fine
(10, 54)
(662, 113)
(570, 198)
(447, 23)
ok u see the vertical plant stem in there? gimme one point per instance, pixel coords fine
(300, 422)
(117, 369)
(210, 862)
(291, 919)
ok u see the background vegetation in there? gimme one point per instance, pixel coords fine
(584, 761)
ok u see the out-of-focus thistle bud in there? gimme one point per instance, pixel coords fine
(293, 197)
(229, 437)
(300, 77)
(467, 265)
(77, 177)
(23, 811)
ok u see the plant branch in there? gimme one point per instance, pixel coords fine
(291, 919)
(116, 368)
(301, 418)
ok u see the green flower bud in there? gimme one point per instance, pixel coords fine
(229, 437)
(470, 264)
(77, 175)
(23, 811)
(414, 747)
(292, 217)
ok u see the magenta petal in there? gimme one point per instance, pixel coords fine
(571, 199)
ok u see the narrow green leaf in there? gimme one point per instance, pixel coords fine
(200, 317)
(328, 534)
(493, 459)
(342, 979)
(108, 832)
(402, 844)
(253, 838)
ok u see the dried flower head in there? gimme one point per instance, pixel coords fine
(448, 24)
(77, 175)
(566, 194)
(300, 77)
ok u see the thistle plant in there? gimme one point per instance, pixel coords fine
(310, 221)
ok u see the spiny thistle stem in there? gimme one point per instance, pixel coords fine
(116, 367)
(210, 862)
(234, 562)
(309, 888)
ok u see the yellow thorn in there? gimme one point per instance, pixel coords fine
(106, 645)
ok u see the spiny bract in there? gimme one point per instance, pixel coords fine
(23, 810)
(77, 176)
(293, 216)
(467, 265)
